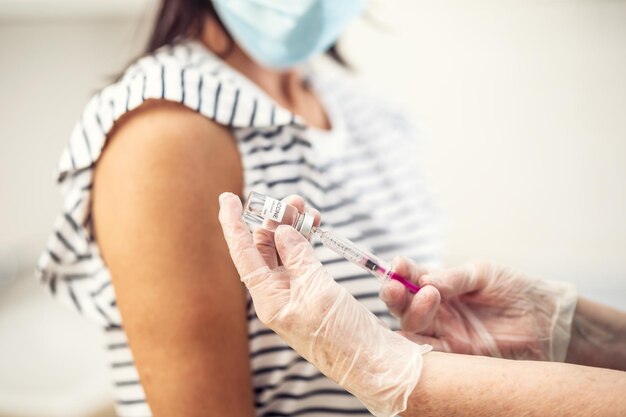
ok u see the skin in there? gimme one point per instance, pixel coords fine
(155, 213)
(598, 336)
(285, 87)
(461, 385)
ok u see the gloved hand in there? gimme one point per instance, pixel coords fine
(484, 309)
(317, 317)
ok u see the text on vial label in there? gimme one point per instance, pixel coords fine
(273, 209)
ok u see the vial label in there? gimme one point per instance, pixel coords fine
(273, 209)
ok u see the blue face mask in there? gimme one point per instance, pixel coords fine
(283, 33)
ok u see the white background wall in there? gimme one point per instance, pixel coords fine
(523, 103)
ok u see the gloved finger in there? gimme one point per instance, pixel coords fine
(296, 253)
(243, 251)
(438, 344)
(455, 281)
(421, 310)
(299, 203)
(264, 241)
(394, 294)
(296, 201)
(317, 217)
(409, 269)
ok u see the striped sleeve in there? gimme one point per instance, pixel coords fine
(165, 76)
(71, 265)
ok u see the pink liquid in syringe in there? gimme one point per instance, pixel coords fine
(412, 287)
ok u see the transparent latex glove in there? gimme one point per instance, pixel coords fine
(317, 317)
(484, 309)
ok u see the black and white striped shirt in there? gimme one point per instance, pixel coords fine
(361, 175)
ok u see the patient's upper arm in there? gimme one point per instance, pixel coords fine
(183, 307)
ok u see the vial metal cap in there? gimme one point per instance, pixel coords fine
(306, 226)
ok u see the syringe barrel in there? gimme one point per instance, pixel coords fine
(341, 245)
(353, 253)
(366, 260)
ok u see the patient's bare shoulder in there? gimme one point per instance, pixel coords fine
(173, 135)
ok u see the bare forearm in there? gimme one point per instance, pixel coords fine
(598, 336)
(463, 385)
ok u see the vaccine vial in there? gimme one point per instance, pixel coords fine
(270, 213)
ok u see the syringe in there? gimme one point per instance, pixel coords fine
(368, 261)
(270, 213)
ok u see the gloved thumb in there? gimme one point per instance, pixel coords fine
(296, 253)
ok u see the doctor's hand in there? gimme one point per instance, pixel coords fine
(484, 309)
(317, 317)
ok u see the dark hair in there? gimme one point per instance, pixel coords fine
(184, 19)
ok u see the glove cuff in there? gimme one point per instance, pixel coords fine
(398, 383)
(561, 325)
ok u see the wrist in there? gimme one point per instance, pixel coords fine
(565, 296)
(352, 347)
(386, 373)
(598, 336)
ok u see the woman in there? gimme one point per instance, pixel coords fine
(221, 103)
